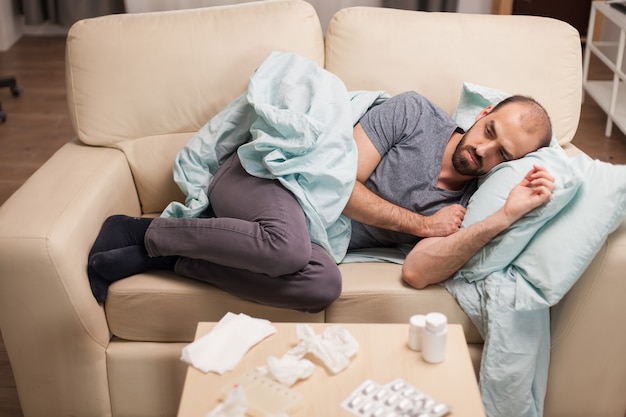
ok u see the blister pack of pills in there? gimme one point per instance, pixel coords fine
(397, 398)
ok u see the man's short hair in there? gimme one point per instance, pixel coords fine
(536, 114)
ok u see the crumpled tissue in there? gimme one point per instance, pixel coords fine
(335, 346)
(235, 405)
(225, 345)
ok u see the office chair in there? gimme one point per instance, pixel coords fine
(16, 90)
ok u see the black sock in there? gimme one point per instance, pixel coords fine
(119, 231)
(119, 263)
(99, 286)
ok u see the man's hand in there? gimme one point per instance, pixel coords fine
(436, 259)
(366, 207)
(533, 191)
(444, 222)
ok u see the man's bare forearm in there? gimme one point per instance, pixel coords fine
(434, 260)
(366, 207)
(437, 259)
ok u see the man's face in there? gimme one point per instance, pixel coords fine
(495, 137)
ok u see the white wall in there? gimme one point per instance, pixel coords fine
(140, 6)
(325, 9)
(10, 25)
(474, 6)
(12, 28)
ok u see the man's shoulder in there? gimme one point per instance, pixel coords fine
(412, 96)
(415, 99)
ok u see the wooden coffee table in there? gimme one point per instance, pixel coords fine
(383, 356)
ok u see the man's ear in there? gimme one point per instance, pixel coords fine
(484, 112)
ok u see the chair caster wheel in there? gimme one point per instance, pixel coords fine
(16, 90)
(3, 116)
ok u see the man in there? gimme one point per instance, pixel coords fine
(508, 131)
(415, 174)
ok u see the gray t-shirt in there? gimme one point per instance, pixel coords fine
(410, 133)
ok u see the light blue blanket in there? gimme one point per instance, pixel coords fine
(294, 124)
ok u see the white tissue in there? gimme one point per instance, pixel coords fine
(223, 348)
(289, 368)
(335, 346)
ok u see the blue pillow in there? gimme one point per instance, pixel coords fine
(565, 246)
(545, 252)
(474, 98)
(493, 190)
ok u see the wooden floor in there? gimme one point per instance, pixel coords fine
(38, 124)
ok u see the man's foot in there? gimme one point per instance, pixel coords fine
(119, 263)
(99, 286)
(119, 231)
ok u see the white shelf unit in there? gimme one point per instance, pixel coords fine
(609, 94)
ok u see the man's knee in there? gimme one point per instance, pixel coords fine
(325, 293)
(324, 282)
(288, 257)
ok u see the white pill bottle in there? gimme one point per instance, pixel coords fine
(435, 338)
(417, 323)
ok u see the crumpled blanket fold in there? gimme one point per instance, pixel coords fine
(294, 124)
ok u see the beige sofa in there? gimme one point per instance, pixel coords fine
(139, 86)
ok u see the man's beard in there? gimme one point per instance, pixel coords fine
(462, 164)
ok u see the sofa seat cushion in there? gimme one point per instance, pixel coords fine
(374, 292)
(163, 307)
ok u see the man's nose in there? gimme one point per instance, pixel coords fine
(482, 150)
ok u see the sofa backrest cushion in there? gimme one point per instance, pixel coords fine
(434, 53)
(145, 83)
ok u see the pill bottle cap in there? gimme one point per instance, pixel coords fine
(418, 320)
(436, 321)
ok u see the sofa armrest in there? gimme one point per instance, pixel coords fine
(588, 331)
(46, 231)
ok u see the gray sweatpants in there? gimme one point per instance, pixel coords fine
(257, 247)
